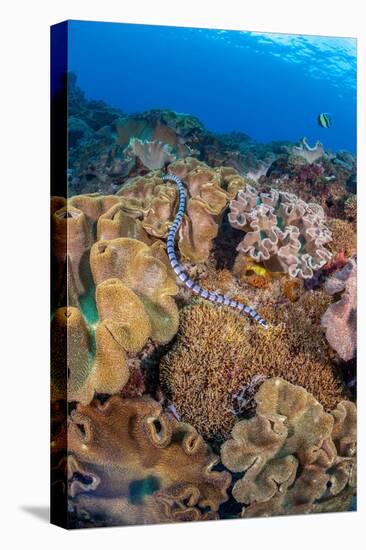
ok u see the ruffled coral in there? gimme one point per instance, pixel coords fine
(206, 201)
(217, 354)
(131, 463)
(289, 452)
(152, 200)
(145, 271)
(310, 154)
(81, 366)
(281, 230)
(341, 317)
(71, 242)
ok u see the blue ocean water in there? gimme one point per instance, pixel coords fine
(270, 86)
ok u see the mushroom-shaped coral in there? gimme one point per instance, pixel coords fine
(284, 232)
(152, 154)
(131, 463)
(144, 271)
(206, 202)
(287, 452)
(72, 239)
(341, 317)
(81, 366)
(119, 221)
(310, 154)
(152, 200)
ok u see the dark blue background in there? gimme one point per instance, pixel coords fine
(269, 89)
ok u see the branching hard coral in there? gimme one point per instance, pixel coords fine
(131, 463)
(79, 366)
(343, 237)
(350, 209)
(153, 154)
(205, 367)
(282, 231)
(288, 452)
(216, 354)
(146, 272)
(341, 317)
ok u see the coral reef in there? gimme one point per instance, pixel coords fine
(131, 463)
(281, 230)
(140, 276)
(217, 353)
(150, 383)
(310, 154)
(341, 317)
(88, 363)
(291, 454)
(152, 154)
(343, 237)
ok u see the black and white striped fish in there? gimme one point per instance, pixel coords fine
(324, 120)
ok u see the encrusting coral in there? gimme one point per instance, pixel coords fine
(145, 272)
(341, 317)
(131, 463)
(295, 458)
(217, 354)
(282, 231)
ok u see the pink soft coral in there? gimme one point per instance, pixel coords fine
(340, 317)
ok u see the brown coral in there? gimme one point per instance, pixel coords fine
(217, 353)
(206, 201)
(72, 239)
(282, 231)
(145, 271)
(152, 200)
(343, 237)
(131, 463)
(79, 368)
(289, 452)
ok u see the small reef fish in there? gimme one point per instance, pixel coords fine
(324, 120)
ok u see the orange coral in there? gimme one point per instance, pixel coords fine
(143, 466)
(292, 289)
